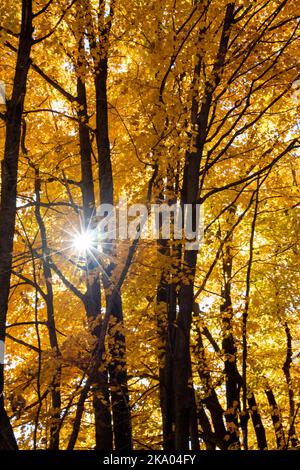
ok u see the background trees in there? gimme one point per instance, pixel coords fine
(162, 102)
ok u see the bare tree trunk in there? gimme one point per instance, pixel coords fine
(257, 423)
(100, 389)
(56, 381)
(232, 377)
(287, 373)
(190, 194)
(9, 194)
(182, 367)
(245, 414)
(117, 344)
(210, 400)
(165, 320)
(207, 433)
(118, 380)
(194, 432)
(166, 299)
(276, 419)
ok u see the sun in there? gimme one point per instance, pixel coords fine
(83, 242)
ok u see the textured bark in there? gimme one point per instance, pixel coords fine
(117, 344)
(232, 377)
(189, 195)
(56, 381)
(118, 380)
(207, 432)
(257, 423)
(165, 319)
(276, 419)
(182, 365)
(9, 193)
(287, 373)
(166, 299)
(210, 399)
(100, 389)
(245, 414)
(194, 432)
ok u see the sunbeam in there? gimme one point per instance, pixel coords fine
(83, 241)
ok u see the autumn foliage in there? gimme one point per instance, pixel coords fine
(141, 343)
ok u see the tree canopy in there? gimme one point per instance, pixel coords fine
(119, 342)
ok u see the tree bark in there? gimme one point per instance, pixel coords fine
(117, 344)
(100, 388)
(207, 432)
(232, 377)
(276, 419)
(210, 399)
(165, 322)
(287, 373)
(190, 195)
(9, 194)
(166, 299)
(56, 381)
(257, 423)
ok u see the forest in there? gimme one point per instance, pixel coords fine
(182, 115)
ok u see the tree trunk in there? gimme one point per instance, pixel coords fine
(287, 373)
(118, 380)
(207, 432)
(166, 299)
(257, 423)
(117, 344)
(232, 377)
(276, 419)
(194, 432)
(9, 194)
(165, 321)
(182, 368)
(190, 195)
(210, 400)
(56, 380)
(100, 389)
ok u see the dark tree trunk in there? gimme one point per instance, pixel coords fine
(194, 432)
(166, 301)
(9, 194)
(118, 380)
(189, 195)
(165, 321)
(287, 373)
(100, 389)
(257, 423)
(101, 404)
(102, 135)
(207, 434)
(210, 400)
(276, 419)
(232, 377)
(117, 344)
(56, 381)
(182, 368)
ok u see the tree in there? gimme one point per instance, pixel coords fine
(9, 176)
(144, 343)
